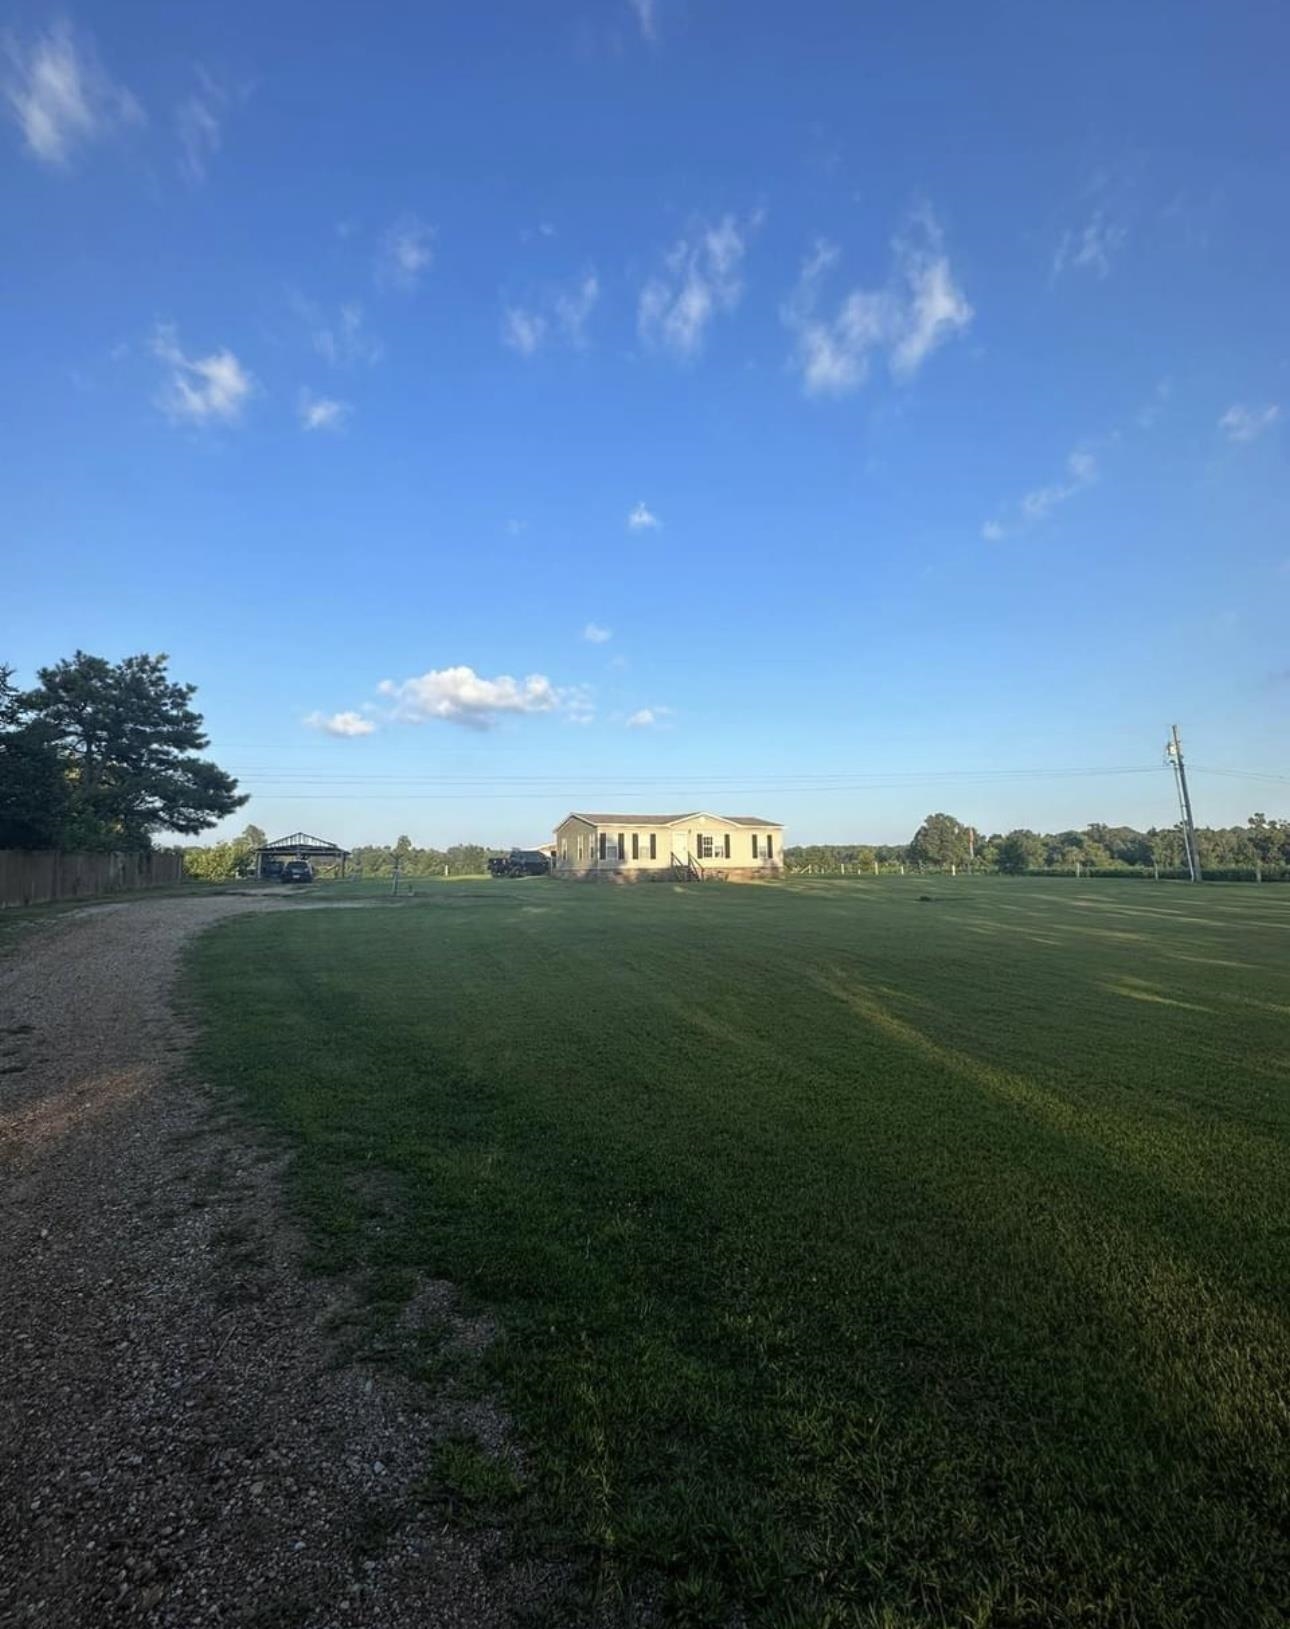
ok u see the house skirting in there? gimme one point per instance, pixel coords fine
(664, 873)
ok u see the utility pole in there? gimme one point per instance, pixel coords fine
(1174, 752)
(971, 849)
(398, 864)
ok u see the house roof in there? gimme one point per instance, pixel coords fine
(630, 819)
(666, 819)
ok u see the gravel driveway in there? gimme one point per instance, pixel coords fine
(181, 1441)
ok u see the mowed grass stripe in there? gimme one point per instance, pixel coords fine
(858, 1259)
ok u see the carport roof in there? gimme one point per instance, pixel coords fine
(301, 842)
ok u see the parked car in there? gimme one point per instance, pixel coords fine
(520, 862)
(271, 871)
(297, 871)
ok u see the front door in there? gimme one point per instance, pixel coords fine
(681, 845)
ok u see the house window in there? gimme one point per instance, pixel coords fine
(636, 845)
(622, 846)
(653, 845)
(770, 850)
(564, 850)
(705, 846)
(579, 848)
(755, 854)
(604, 840)
(725, 846)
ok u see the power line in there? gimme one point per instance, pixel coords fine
(356, 786)
(568, 792)
(826, 782)
(1242, 774)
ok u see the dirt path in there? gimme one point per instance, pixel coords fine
(180, 1443)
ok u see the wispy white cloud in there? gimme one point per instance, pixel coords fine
(59, 95)
(641, 520)
(647, 17)
(322, 412)
(344, 341)
(523, 331)
(341, 724)
(920, 307)
(1082, 466)
(1151, 410)
(1242, 423)
(935, 308)
(200, 389)
(594, 634)
(459, 695)
(573, 308)
(198, 125)
(1037, 504)
(648, 718)
(701, 276)
(562, 314)
(833, 354)
(1091, 249)
(578, 704)
(405, 254)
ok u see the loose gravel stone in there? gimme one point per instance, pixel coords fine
(181, 1442)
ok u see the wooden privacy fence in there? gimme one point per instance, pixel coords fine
(38, 876)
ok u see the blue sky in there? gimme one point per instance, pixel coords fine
(830, 412)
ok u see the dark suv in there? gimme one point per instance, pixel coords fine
(297, 871)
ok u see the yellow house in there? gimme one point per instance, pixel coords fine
(644, 848)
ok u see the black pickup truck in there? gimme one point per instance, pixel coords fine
(520, 862)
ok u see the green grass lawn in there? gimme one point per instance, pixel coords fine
(858, 1259)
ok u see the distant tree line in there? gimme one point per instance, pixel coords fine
(461, 860)
(103, 755)
(942, 841)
